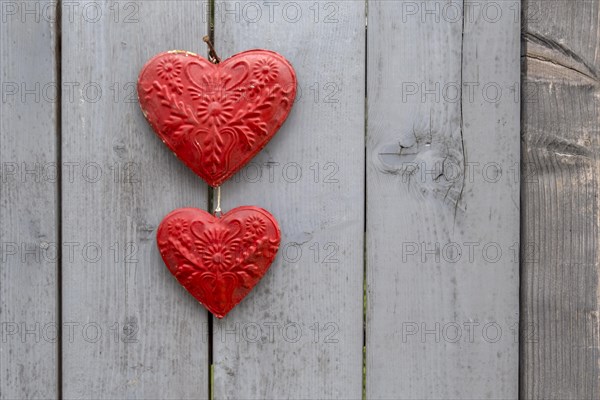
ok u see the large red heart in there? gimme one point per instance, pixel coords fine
(216, 117)
(218, 259)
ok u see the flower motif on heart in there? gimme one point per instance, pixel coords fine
(215, 110)
(218, 249)
(265, 70)
(255, 225)
(169, 68)
(253, 91)
(177, 227)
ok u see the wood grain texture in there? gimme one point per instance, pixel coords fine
(28, 205)
(299, 333)
(442, 200)
(560, 217)
(136, 332)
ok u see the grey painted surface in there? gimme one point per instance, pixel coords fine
(153, 341)
(561, 120)
(308, 308)
(130, 331)
(437, 210)
(28, 273)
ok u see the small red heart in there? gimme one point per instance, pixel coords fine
(218, 260)
(216, 117)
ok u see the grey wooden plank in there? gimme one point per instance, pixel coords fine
(28, 208)
(136, 332)
(299, 333)
(561, 127)
(442, 304)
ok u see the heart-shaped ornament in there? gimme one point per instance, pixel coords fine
(218, 259)
(216, 117)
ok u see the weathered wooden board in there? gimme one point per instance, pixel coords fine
(442, 200)
(135, 332)
(561, 143)
(299, 333)
(28, 202)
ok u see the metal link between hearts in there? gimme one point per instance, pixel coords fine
(217, 212)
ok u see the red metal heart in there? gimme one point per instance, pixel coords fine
(219, 260)
(215, 118)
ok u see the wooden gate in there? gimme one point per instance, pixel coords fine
(396, 180)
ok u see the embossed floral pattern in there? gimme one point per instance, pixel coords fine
(177, 227)
(217, 248)
(255, 225)
(253, 91)
(215, 110)
(265, 70)
(215, 118)
(212, 85)
(218, 260)
(169, 68)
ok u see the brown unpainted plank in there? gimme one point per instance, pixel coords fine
(560, 215)
(133, 331)
(28, 201)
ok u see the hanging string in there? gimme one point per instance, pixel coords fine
(212, 54)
